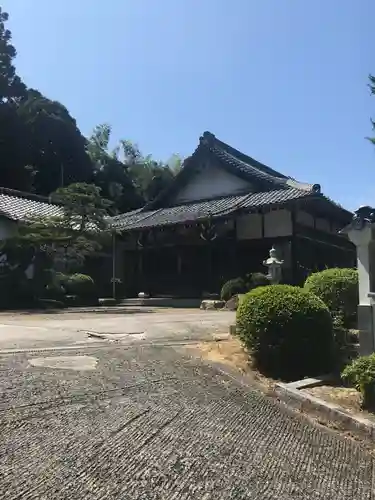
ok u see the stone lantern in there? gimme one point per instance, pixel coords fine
(274, 267)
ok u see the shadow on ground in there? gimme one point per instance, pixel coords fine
(75, 310)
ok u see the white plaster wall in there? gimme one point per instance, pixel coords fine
(212, 182)
(304, 218)
(278, 223)
(249, 227)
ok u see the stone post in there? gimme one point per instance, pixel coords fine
(361, 232)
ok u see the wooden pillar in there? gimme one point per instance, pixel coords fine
(114, 265)
(209, 266)
(179, 262)
(140, 271)
(262, 213)
(234, 250)
(293, 249)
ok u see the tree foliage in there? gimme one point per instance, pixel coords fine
(287, 330)
(110, 173)
(338, 289)
(11, 86)
(56, 149)
(69, 238)
(42, 148)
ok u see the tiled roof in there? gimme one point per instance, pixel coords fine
(201, 210)
(256, 173)
(16, 206)
(248, 166)
(19, 206)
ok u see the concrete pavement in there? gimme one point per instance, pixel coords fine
(148, 423)
(95, 420)
(128, 325)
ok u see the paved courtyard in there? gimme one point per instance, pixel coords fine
(142, 420)
(122, 324)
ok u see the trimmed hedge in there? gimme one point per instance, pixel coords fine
(81, 285)
(232, 287)
(338, 289)
(361, 374)
(258, 279)
(287, 330)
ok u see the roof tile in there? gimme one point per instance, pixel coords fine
(20, 208)
(201, 210)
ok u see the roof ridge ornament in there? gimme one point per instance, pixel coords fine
(207, 138)
(364, 215)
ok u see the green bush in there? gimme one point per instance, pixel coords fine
(338, 289)
(361, 373)
(55, 290)
(287, 330)
(61, 278)
(232, 287)
(344, 343)
(257, 279)
(81, 285)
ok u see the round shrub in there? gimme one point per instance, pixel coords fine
(258, 279)
(232, 287)
(61, 278)
(361, 374)
(287, 330)
(338, 289)
(81, 285)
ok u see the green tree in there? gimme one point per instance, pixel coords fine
(83, 207)
(11, 85)
(149, 176)
(56, 149)
(41, 146)
(110, 172)
(175, 163)
(12, 132)
(82, 227)
(63, 241)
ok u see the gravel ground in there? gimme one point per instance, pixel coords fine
(147, 423)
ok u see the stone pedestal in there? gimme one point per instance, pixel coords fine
(366, 329)
(362, 233)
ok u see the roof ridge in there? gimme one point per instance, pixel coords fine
(211, 139)
(304, 186)
(250, 166)
(25, 195)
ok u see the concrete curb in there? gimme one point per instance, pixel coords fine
(327, 412)
(291, 395)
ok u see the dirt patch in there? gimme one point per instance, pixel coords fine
(346, 397)
(229, 351)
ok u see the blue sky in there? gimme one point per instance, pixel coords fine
(285, 81)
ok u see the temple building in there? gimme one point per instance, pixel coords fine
(219, 219)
